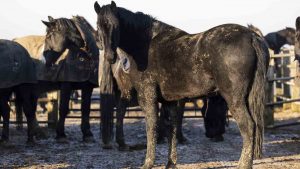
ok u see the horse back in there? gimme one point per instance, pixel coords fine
(192, 65)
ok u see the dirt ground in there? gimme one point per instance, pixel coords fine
(281, 148)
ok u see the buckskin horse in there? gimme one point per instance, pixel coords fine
(78, 71)
(18, 76)
(168, 64)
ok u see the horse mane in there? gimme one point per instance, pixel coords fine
(137, 20)
(64, 24)
(87, 34)
(284, 32)
(81, 19)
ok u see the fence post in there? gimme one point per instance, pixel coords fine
(271, 87)
(52, 109)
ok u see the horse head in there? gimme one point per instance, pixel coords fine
(61, 34)
(108, 29)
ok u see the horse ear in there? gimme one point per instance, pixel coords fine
(298, 23)
(48, 24)
(50, 18)
(97, 7)
(113, 6)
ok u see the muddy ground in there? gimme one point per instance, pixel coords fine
(281, 148)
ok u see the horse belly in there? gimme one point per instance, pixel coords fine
(192, 86)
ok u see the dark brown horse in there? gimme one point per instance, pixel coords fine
(78, 71)
(168, 65)
(17, 75)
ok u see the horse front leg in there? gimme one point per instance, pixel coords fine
(148, 102)
(121, 110)
(65, 93)
(85, 117)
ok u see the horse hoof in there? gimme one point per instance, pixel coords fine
(183, 140)
(218, 138)
(30, 142)
(62, 140)
(172, 166)
(107, 146)
(123, 147)
(89, 139)
(41, 135)
(4, 143)
(147, 166)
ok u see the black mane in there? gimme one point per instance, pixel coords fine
(85, 22)
(136, 20)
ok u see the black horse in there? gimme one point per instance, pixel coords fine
(277, 39)
(168, 65)
(79, 69)
(17, 76)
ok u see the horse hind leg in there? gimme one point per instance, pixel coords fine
(5, 110)
(85, 117)
(172, 155)
(240, 113)
(29, 103)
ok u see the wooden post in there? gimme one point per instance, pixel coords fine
(271, 87)
(52, 109)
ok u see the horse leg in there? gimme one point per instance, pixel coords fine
(180, 136)
(121, 110)
(148, 101)
(240, 113)
(173, 110)
(19, 112)
(29, 103)
(86, 109)
(162, 124)
(215, 118)
(65, 93)
(5, 112)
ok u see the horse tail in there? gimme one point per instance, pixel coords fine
(257, 93)
(107, 103)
